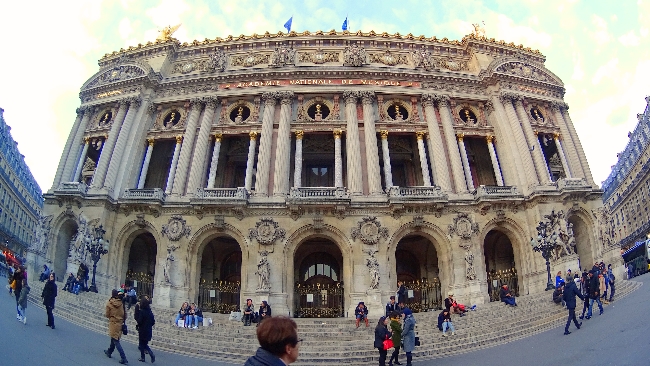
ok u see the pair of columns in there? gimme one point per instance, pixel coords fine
(338, 160)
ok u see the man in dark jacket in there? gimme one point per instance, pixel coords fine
(585, 294)
(612, 286)
(569, 296)
(392, 306)
(594, 293)
(401, 294)
(557, 294)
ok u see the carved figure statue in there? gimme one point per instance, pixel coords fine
(537, 116)
(166, 33)
(422, 59)
(478, 30)
(470, 273)
(240, 115)
(42, 231)
(263, 272)
(468, 117)
(104, 119)
(217, 62)
(398, 115)
(170, 121)
(168, 262)
(318, 116)
(354, 56)
(283, 56)
(373, 268)
(77, 244)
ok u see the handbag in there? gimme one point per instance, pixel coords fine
(417, 341)
(125, 330)
(388, 343)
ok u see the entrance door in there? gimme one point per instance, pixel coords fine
(416, 265)
(142, 264)
(500, 264)
(220, 281)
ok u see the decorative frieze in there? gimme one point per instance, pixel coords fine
(354, 55)
(176, 228)
(388, 58)
(319, 56)
(266, 231)
(250, 59)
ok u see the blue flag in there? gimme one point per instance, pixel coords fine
(345, 24)
(288, 24)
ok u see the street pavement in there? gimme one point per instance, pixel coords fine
(618, 337)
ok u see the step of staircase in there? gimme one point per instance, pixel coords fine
(328, 340)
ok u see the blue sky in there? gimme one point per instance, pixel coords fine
(599, 48)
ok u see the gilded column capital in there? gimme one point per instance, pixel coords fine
(86, 140)
(179, 139)
(211, 102)
(556, 106)
(218, 137)
(196, 103)
(135, 102)
(429, 99)
(252, 135)
(82, 110)
(151, 141)
(460, 137)
(299, 134)
(489, 139)
(367, 96)
(536, 132)
(489, 107)
(124, 102)
(420, 134)
(556, 136)
(350, 96)
(337, 134)
(383, 134)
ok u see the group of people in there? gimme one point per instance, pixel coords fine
(190, 315)
(402, 335)
(596, 285)
(250, 316)
(18, 285)
(73, 284)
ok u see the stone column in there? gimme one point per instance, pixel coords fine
(353, 150)
(172, 169)
(121, 143)
(560, 152)
(109, 144)
(248, 181)
(197, 169)
(264, 154)
(338, 160)
(580, 154)
(523, 148)
(82, 159)
(436, 147)
(533, 143)
(426, 178)
(283, 149)
(145, 164)
(388, 171)
(452, 145)
(69, 149)
(297, 169)
(214, 162)
(463, 155)
(495, 160)
(180, 177)
(372, 152)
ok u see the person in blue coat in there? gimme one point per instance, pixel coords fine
(408, 335)
(569, 296)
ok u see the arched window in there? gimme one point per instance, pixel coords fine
(319, 266)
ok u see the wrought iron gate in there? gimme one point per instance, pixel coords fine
(426, 295)
(142, 282)
(219, 296)
(500, 278)
(318, 300)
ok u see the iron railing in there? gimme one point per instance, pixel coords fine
(427, 295)
(142, 282)
(319, 300)
(219, 296)
(499, 278)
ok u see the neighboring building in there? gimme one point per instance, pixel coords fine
(317, 169)
(21, 200)
(627, 189)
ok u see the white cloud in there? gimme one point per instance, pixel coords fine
(629, 39)
(125, 28)
(600, 34)
(520, 34)
(608, 70)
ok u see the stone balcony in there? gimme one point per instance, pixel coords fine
(564, 184)
(488, 192)
(72, 189)
(316, 195)
(237, 196)
(416, 194)
(145, 195)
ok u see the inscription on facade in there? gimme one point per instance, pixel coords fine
(253, 84)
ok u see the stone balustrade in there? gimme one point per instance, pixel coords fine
(72, 188)
(217, 195)
(496, 191)
(154, 194)
(319, 192)
(572, 183)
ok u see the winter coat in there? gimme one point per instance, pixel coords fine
(601, 284)
(49, 293)
(594, 287)
(22, 299)
(381, 333)
(359, 311)
(264, 310)
(396, 327)
(146, 321)
(391, 307)
(401, 295)
(115, 314)
(558, 281)
(503, 293)
(612, 280)
(557, 296)
(408, 334)
(18, 277)
(264, 358)
(570, 293)
(441, 319)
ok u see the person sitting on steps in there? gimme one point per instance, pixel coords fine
(453, 306)
(361, 313)
(182, 314)
(557, 294)
(45, 274)
(265, 311)
(506, 296)
(69, 283)
(249, 313)
(392, 306)
(447, 324)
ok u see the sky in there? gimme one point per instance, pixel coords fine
(599, 48)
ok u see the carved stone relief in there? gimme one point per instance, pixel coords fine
(171, 118)
(389, 58)
(465, 228)
(525, 70)
(354, 56)
(369, 231)
(118, 73)
(216, 62)
(250, 59)
(283, 56)
(176, 228)
(42, 231)
(263, 272)
(266, 231)
(318, 57)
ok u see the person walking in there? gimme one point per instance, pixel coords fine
(22, 302)
(569, 296)
(594, 293)
(408, 335)
(396, 329)
(49, 296)
(612, 286)
(18, 279)
(145, 322)
(381, 334)
(116, 317)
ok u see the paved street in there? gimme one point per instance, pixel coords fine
(618, 337)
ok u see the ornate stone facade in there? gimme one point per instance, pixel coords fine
(319, 191)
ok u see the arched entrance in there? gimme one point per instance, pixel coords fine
(581, 235)
(141, 266)
(417, 265)
(67, 233)
(220, 275)
(318, 277)
(499, 264)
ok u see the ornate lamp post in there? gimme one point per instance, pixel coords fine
(545, 244)
(97, 247)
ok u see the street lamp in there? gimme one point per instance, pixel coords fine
(97, 247)
(545, 244)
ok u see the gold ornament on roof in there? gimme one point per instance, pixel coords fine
(478, 30)
(166, 33)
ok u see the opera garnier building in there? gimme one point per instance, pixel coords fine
(316, 170)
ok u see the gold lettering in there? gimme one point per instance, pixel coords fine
(329, 81)
(343, 82)
(364, 82)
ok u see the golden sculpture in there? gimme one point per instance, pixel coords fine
(398, 114)
(240, 111)
(166, 33)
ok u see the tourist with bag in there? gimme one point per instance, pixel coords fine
(116, 318)
(145, 322)
(382, 334)
(49, 295)
(408, 335)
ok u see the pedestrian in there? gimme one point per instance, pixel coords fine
(569, 296)
(396, 330)
(278, 337)
(585, 293)
(381, 334)
(408, 335)
(401, 294)
(392, 306)
(602, 284)
(558, 279)
(18, 279)
(447, 323)
(49, 295)
(594, 293)
(116, 317)
(22, 302)
(612, 286)
(145, 322)
(507, 296)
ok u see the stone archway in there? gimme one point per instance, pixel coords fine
(141, 263)
(64, 236)
(500, 264)
(220, 275)
(317, 277)
(417, 265)
(583, 239)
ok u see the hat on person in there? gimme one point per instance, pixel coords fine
(407, 311)
(114, 293)
(450, 293)
(568, 270)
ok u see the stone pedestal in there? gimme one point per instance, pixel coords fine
(373, 302)
(278, 302)
(161, 298)
(473, 292)
(563, 264)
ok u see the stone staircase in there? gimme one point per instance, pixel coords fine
(327, 340)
